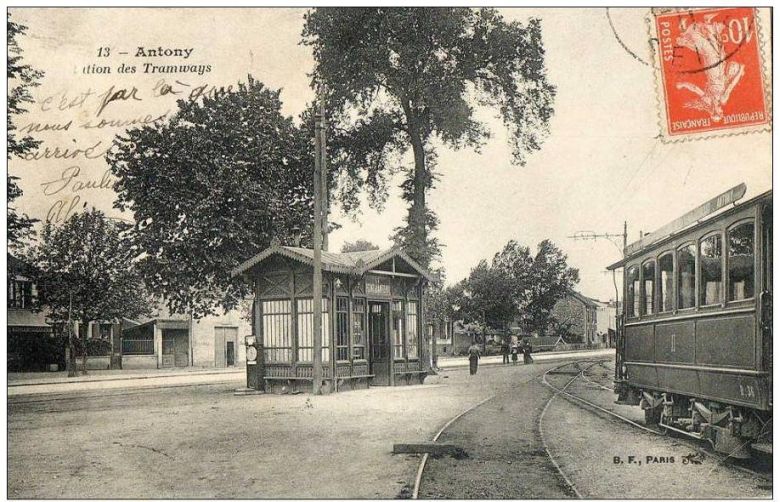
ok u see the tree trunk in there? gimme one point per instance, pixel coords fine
(417, 210)
(84, 354)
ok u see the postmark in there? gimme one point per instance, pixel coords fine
(710, 74)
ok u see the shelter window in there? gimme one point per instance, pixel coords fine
(359, 328)
(398, 330)
(648, 287)
(711, 263)
(342, 328)
(277, 331)
(632, 300)
(741, 262)
(306, 330)
(686, 276)
(411, 329)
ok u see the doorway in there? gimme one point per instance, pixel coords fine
(378, 332)
(225, 341)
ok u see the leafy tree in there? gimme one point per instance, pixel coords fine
(538, 280)
(516, 285)
(358, 245)
(84, 271)
(21, 79)
(400, 78)
(210, 188)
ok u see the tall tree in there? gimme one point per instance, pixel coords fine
(358, 245)
(403, 77)
(84, 271)
(538, 280)
(516, 284)
(211, 187)
(21, 79)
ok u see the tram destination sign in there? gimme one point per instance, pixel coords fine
(728, 197)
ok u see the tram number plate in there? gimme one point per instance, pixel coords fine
(746, 391)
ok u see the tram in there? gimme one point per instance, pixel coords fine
(694, 346)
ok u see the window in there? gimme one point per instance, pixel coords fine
(411, 329)
(686, 276)
(342, 328)
(398, 329)
(105, 330)
(666, 268)
(741, 258)
(632, 299)
(306, 330)
(359, 328)
(20, 294)
(711, 263)
(277, 331)
(648, 289)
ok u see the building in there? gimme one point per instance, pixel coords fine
(177, 341)
(605, 322)
(25, 325)
(372, 318)
(576, 314)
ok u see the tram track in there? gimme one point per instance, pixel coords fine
(722, 460)
(563, 388)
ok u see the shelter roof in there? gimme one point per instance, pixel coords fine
(355, 262)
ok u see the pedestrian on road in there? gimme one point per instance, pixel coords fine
(505, 351)
(514, 355)
(474, 355)
(527, 359)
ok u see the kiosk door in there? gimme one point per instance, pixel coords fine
(378, 317)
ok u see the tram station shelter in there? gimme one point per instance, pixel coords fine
(372, 318)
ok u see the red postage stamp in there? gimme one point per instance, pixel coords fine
(710, 72)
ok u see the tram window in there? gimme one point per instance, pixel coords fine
(666, 267)
(711, 252)
(632, 302)
(741, 258)
(686, 276)
(648, 289)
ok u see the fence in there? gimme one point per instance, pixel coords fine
(138, 346)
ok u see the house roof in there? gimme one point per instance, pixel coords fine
(584, 299)
(355, 263)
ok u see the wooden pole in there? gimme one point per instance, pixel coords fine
(324, 170)
(317, 282)
(71, 355)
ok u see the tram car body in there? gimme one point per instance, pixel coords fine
(695, 336)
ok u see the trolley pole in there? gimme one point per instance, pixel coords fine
(317, 282)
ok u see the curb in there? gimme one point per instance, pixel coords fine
(141, 377)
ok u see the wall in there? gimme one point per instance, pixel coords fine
(203, 337)
(139, 362)
(571, 310)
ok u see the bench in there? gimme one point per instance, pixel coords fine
(407, 375)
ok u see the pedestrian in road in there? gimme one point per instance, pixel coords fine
(527, 359)
(514, 355)
(505, 351)
(474, 354)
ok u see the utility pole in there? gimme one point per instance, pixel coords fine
(71, 355)
(324, 170)
(590, 235)
(319, 168)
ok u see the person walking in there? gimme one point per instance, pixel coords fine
(474, 354)
(514, 355)
(527, 353)
(505, 351)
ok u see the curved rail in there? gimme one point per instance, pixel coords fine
(418, 478)
(720, 458)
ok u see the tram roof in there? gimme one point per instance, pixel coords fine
(689, 221)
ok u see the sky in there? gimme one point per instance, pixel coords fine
(603, 162)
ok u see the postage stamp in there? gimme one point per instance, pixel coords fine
(710, 72)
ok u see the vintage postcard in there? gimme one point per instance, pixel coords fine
(378, 252)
